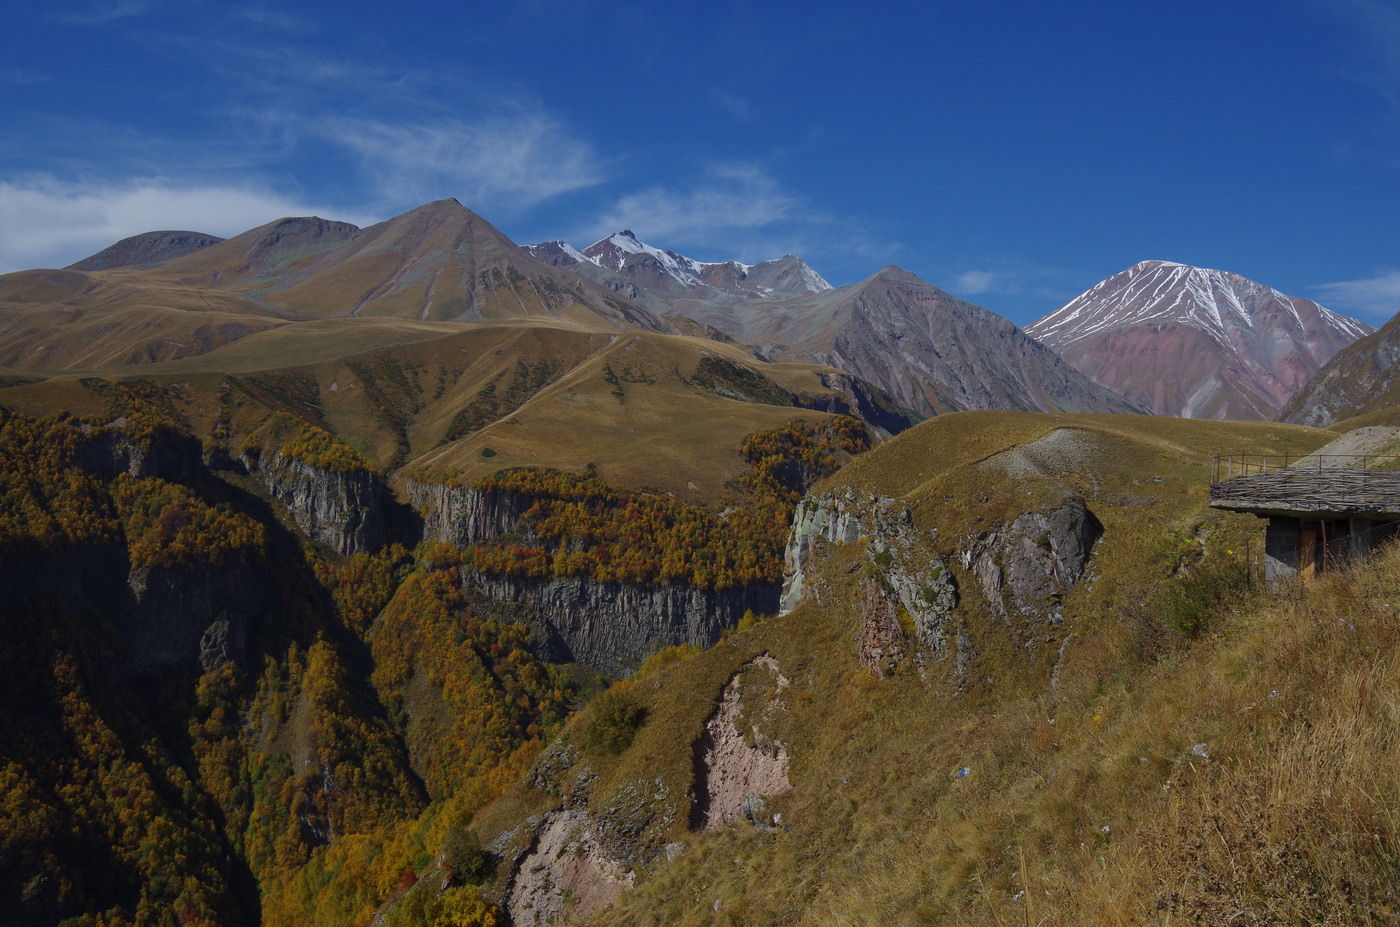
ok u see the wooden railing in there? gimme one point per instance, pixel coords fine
(1229, 466)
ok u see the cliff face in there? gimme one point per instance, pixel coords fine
(164, 453)
(904, 575)
(1023, 569)
(1026, 567)
(462, 516)
(342, 509)
(613, 627)
(190, 619)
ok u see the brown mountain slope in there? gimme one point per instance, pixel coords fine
(932, 352)
(440, 262)
(1194, 342)
(440, 401)
(146, 249)
(1360, 379)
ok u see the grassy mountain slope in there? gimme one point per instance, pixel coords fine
(460, 402)
(440, 262)
(1057, 779)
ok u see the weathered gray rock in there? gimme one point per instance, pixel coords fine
(613, 627)
(192, 618)
(827, 517)
(342, 509)
(165, 453)
(463, 516)
(1025, 568)
(916, 580)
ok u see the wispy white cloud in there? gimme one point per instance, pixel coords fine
(977, 281)
(1019, 279)
(1377, 61)
(52, 223)
(733, 104)
(733, 197)
(104, 13)
(1376, 297)
(276, 20)
(502, 162)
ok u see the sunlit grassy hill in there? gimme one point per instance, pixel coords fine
(1179, 746)
(440, 262)
(458, 402)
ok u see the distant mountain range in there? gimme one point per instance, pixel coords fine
(1196, 343)
(1160, 337)
(931, 352)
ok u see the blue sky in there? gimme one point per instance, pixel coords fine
(1012, 153)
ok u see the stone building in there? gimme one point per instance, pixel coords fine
(1323, 511)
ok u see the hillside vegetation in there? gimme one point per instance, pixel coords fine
(1246, 776)
(1174, 744)
(218, 720)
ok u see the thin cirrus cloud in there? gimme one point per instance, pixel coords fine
(52, 223)
(734, 198)
(1019, 279)
(506, 163)
(1376, 297)
(977, 281)
(105, 12)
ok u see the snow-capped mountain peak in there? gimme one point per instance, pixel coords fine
(1196, 342)
(1167, 293)
(674, 275)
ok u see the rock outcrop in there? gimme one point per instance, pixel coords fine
(567, 872)
(190, 618)
(913, 578)
(164, 452)
(610, 627)
(463, 516)
(343, 509)
(613, 627)
(881, 644)
(1025, 568)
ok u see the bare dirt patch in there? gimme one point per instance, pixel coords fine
(567, 868)
(734, 759)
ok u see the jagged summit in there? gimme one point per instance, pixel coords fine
(1196, 342)
(674, 276)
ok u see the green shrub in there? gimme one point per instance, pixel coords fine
(1189, 603)
(613, 721)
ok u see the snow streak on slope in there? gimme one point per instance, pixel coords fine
(1161, 292)
(1195, 342)
(623, 253)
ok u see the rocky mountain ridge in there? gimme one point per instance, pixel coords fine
(678, 277)
(1362, 378)
(1196, 343)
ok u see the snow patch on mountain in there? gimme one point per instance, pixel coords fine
(1166, 293)
(782, 278)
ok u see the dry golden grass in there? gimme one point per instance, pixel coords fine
(1087, 800)
(392, 388)
(1107, 816)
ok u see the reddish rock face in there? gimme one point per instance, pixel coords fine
(1196, 343)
